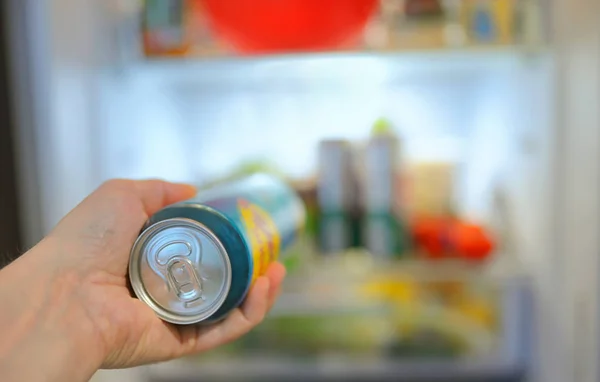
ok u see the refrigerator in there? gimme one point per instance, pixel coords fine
(520, 120)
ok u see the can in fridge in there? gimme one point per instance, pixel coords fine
(384, 233)
(195, 261)
(336, 196)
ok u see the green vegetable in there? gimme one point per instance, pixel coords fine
(382, 127)
(246, 168)
(292, 261)
(254, 166)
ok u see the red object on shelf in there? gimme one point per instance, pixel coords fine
(444, 237)
(269, 26)
(470, 241)
(427, 233)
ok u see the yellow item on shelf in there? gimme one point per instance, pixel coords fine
(479, 311)
(398, 291)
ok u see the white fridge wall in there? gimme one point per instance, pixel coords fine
(576, 240)
(196, 128)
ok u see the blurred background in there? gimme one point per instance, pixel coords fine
(447, 151)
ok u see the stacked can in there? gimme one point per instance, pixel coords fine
(336, 195)
(195, 261)
(383, 232)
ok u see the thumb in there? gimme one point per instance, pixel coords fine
(156, 194)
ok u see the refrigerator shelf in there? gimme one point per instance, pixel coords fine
(313, 71)
(336, 370)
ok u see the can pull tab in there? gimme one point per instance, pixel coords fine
(184, 280)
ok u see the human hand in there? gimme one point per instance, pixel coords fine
(81, 269)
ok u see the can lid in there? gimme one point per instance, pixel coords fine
(181, 270)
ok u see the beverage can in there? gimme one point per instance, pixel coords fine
(336, 196)
(383, 231)
(195, 261)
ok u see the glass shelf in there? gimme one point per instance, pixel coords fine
(336, 370)
(338, 70)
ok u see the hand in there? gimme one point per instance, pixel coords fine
(80, 269)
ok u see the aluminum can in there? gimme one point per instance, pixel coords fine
(195, 261)
(383, 228)
(336, 195)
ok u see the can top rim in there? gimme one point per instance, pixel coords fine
(142, 293)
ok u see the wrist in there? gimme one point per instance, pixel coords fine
(45, 330)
